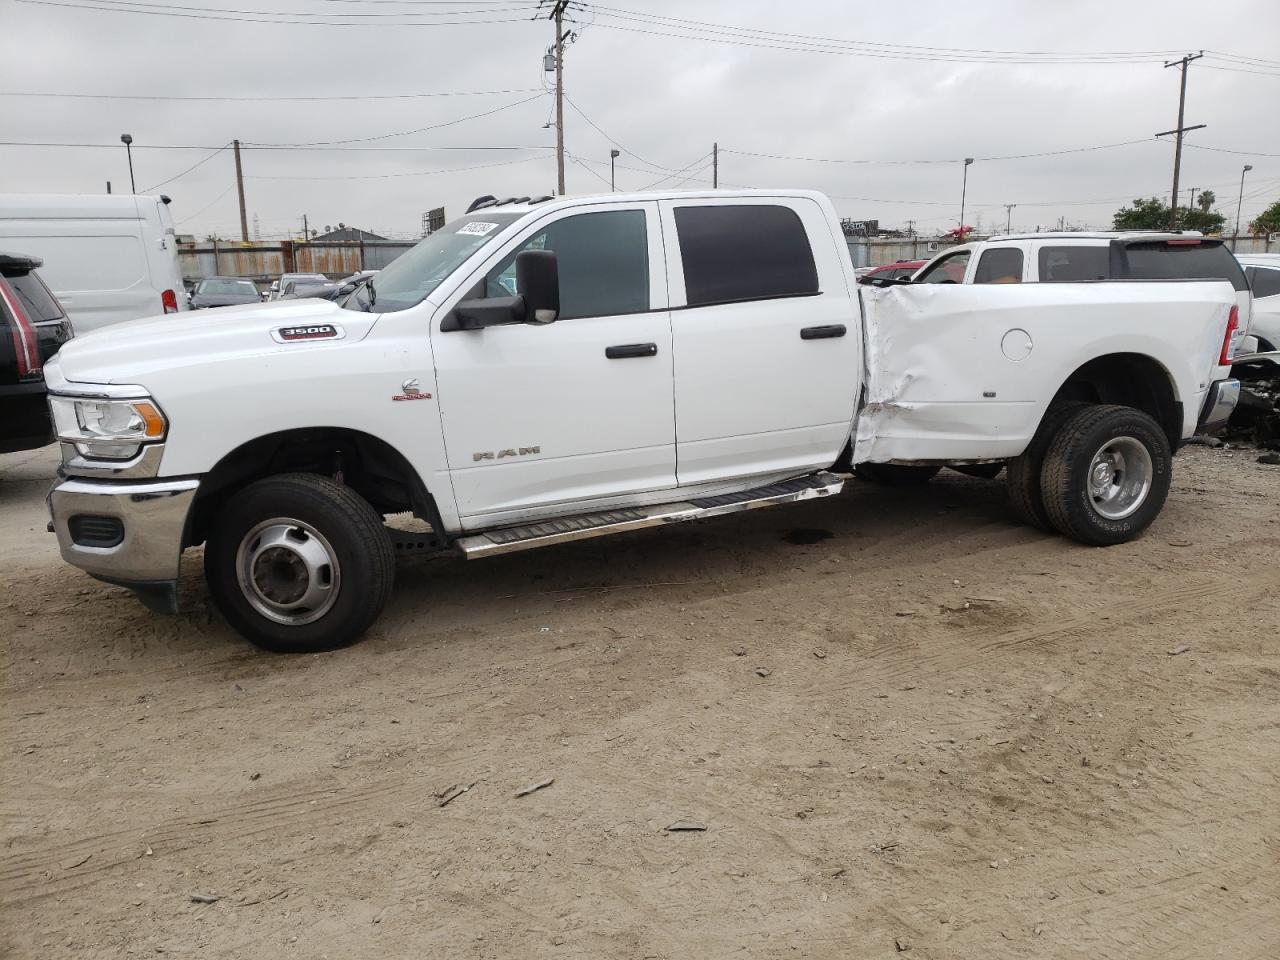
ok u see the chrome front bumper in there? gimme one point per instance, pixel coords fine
(152, 517)
(1219, 402)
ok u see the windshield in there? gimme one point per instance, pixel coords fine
(411, 278)
(220, 287)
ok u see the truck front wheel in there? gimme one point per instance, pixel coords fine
(299, 563)
(1106, 474)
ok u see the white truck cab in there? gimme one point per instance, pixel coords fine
(543, 370)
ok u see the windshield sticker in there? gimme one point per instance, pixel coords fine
(477, 228)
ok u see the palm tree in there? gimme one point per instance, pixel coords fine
(1206, 200)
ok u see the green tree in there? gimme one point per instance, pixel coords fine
(1206, 200)
(1268, 221)
(1149, 214)
(1153, 214)
(1203, 220)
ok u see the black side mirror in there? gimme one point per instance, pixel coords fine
(489, 312)
(538, 280)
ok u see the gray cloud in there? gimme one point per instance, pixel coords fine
(665, 98)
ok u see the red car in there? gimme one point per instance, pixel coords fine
(893, 271)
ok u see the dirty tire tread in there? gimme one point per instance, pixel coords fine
(1063, 477)
(896, 474)
(353, 528)
(1022, 476)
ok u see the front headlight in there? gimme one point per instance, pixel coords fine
(107, 429)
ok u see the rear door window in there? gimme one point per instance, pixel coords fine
(1073, 263)
(999, 265)
(1266, 282)
(744, 252)
(1186, 260)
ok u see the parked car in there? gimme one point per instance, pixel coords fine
(33, 326)
(891, 271)
(289, 282)
(223, 292)
(1262, 270)
(107, 258)
(665, 357)
(1075, 257)
(298, 290)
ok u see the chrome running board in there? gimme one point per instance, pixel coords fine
(587, 525)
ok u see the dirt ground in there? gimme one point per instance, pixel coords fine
(907, 725)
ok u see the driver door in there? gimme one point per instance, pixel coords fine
(545, 419)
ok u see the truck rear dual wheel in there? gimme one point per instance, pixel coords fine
(299, 563)
(1106, 474)
(1023, 476)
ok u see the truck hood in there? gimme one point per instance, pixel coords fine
(128, 352)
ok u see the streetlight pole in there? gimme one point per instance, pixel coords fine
(127, 140)
(964, 187)
(613, 155)
(1239, 203)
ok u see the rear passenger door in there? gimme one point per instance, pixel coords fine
(767, 354)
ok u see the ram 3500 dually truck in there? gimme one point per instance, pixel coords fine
(544, 370)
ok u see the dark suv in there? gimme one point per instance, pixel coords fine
(33, 326)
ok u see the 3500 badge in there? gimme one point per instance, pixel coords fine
(308, 331)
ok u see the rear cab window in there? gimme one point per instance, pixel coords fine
(1189, 259)
(734, 253)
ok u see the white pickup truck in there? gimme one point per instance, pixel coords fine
(544, 370)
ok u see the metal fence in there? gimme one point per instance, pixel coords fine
(264, 262)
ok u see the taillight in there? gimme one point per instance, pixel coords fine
(1184, 242)
(25, 347)
(170, 301)
(1228, 355)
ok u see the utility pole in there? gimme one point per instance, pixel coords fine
(1182, 64)
(557, 14)
(1008, 217)
(1237, 216)
(715, 166)
(306, 233)
(244, 223)
(1239, 203)
(1191, 205)
(964, 187)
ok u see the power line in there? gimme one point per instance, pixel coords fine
(405, 133)
(392, 176)
(189, 218)
(944, 160)
(239, 19)
(260, 147)
(198, 163)
(686, 23)
(126, 6)
(206, 99)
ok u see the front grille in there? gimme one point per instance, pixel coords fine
(88, 530)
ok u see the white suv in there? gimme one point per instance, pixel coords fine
(1263, 273)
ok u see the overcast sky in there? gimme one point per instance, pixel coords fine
(661, 90)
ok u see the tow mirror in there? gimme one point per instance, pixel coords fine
(538, 280)
(489, 312)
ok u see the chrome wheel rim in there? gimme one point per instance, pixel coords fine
(1119, 478)
(288, 571)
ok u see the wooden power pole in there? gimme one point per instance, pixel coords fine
(244, 222)
(1182, 64)
(557, 14)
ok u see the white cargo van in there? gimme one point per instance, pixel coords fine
(108, 258)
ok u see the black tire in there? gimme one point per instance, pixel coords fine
(1023, 476)
(348, 528)
(1065, 477)
(896, 474)
(983, 471)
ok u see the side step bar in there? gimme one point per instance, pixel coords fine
(587, 525)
